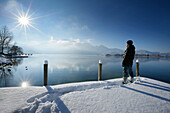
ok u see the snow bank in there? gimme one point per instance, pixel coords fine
(4, 61)
(109, 96)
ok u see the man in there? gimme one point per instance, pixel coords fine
(128, 61)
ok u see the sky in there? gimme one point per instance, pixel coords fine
(65, 25)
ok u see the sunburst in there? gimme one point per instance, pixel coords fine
(24, 20)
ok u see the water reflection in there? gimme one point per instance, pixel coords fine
(144, 59)
(5, 75)
(6, 71)
(79, 62)
(69, 68)
(24, 84)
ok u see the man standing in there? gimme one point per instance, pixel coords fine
(128, 61)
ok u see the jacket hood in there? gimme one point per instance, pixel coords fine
(131, 47)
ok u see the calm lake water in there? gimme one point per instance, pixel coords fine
(68, 68)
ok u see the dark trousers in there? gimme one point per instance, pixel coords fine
(128, 70)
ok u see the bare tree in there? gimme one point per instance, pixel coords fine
(5, 39)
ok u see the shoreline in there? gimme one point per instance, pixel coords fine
(139, 56)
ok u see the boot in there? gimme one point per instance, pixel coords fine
(131, 79)
(124, 80)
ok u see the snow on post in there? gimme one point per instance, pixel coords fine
(100, 62)
(137, 68)
(137, 60)
(46, 62)
(45, 72)
(100, 70)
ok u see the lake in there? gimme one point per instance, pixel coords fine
(69, 68)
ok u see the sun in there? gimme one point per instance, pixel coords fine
(23, 20)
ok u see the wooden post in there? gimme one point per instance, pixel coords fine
(100, 70)
(45, 72)
(137, 68)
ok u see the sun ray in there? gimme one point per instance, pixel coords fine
(41, 16)
(27, 27)
(25, 30)
(19, 13)
(29, 16)
(24, 19)
(17, 25)
(28, 9)
(34, 27)
(20, 27)
(14, 15)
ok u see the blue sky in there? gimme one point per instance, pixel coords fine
(64, 24)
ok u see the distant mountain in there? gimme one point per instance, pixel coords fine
(81, 48)
(116, 51)
(147, 52)
(105, 50)
(140, 52)
(151, 53)
(165, 54)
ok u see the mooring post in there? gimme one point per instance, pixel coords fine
(45, 72)
(100, 70)
(137, 68)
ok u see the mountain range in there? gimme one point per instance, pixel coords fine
(86, 48)
(113, 51)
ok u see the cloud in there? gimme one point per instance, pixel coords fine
(72, 46)
(52, 40)
(77, 27)
(71, 27)
(9, 5)
(34, 43)
(65, 46)
(63, 42)
(60, 42)
(85, 27)
(89, 40)
(77, 40)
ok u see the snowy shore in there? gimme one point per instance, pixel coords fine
(4, 61)
(145, 96)
(2, 57)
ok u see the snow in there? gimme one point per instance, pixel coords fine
(4, 61)
(110, 96)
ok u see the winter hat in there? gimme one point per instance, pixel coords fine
(129, 42)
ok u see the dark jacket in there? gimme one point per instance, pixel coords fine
(128, 56)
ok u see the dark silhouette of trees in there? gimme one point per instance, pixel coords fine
(5, 43)
(5, 39)
(14, 50)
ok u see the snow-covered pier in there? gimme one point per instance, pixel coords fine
(110, 96)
